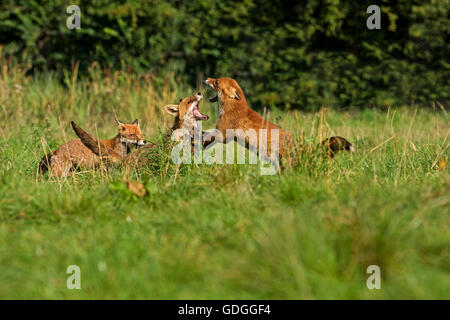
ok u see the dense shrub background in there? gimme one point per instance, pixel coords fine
(300, 55)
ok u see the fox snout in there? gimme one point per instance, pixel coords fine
(132, 141)
(212, 83)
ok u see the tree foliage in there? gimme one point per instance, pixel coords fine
(294, 55)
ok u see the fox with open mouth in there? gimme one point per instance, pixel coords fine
(186, 114)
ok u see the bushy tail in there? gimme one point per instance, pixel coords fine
(95, 145)
(44, 165)
(336, 144)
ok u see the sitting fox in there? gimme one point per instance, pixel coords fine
(75, 154)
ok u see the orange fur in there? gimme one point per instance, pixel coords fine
(236, 114)
(186, 114)
(74, 153)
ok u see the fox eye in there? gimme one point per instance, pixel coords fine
(216, 83)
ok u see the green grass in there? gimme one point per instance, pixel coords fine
(221, 231)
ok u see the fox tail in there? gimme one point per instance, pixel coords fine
(95, 145)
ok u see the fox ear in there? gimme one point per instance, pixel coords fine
(117, 121)
(172, 109)
(232, 93)
(135, 122)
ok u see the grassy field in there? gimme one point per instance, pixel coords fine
(221, 231)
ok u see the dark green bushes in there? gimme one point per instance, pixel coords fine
(299, 55)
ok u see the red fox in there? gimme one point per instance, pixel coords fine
(186, 115)
(234, 113)
(74, 153)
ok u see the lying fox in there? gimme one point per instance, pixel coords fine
(234, 113)
(186, 115)
(74, 153)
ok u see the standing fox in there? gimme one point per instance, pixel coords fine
(234, 113)
(74, 153)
